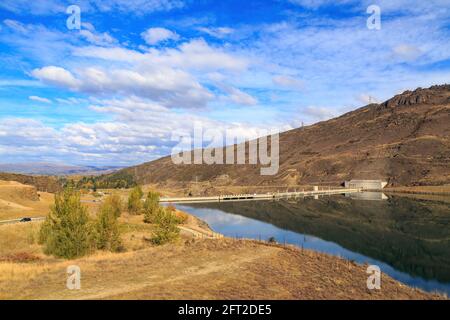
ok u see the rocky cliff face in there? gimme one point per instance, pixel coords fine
(405, 141)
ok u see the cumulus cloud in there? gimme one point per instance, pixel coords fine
(39, 99)
(169, 76)
(170, 87)
(154, 36)
(139, 131)
(56, 76)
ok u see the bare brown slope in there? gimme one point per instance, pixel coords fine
(42, 183)
(405, 140)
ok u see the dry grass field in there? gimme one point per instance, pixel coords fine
(200, 265)
(18, 200)
(199, 269)
(191, 268)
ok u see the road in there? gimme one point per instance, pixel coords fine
(13, 221)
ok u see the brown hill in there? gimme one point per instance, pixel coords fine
(42, 183)
(405, 140)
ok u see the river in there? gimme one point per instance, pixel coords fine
(408, 238)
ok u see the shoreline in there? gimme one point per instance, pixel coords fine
(296, 249)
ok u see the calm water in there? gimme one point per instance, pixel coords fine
(408, 238)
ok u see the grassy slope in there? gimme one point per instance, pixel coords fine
(18, 201)
(189, 269)
(201, 269)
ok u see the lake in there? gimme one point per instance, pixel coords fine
(408, 238)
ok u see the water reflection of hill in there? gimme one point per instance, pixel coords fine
(411, 235)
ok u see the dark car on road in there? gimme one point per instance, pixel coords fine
(25, 220)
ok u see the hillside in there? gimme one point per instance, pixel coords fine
(18, 200)
(42, 183)
(405, 141)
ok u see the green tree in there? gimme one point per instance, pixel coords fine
(166, 229)
(107, 227)
(116, 204)
(67, 232)
(134, 201)
(151, 206)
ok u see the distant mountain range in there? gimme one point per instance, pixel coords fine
(405, 141)
(55, 169)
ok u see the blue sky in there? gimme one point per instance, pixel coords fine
(115, 91)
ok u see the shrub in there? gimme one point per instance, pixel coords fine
(67, 233)
(134, 201)
(106, 227)
(166, 229)
(115, 203)
(181, 216)
(151, 207)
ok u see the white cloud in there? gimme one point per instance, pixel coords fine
(56, 76)
(219, 32)
(288, 82)
(237, 96)
(19, 83)
(169, 76)
(338, 59)
(195, 54)
(139, 131)
(51, 7)
(39, 99)
(170, 87)
(154, 36)
(16, 25)
(314, 4)
(98, 39)
(87, 25)
(136, 6)
(71, 101)
(37, 7)
(318, 113)
(366, 98)
(407, 52)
